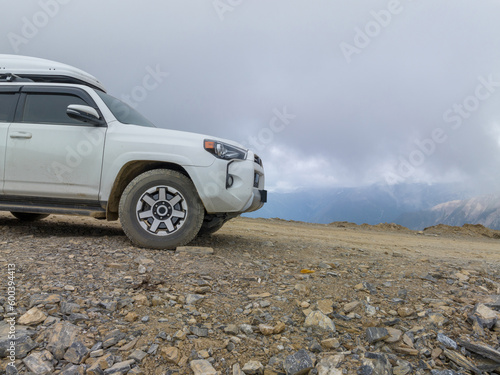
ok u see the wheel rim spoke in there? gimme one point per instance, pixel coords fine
(146, 198)
(170, 225)
(145, 214)
(155, 225)
(158, 215)
(175, 200)
(162, 194)
(179, 214)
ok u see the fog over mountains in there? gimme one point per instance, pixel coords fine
(415, 206)
(483, 210)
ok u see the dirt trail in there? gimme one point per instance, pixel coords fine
(87, 299)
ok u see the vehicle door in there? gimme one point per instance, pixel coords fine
(50, 155)
(8, 100)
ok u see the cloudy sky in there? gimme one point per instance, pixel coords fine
(328, 92)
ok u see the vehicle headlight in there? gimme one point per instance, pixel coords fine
(225, 151)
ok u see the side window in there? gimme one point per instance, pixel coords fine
(8, 102)
(50, 108)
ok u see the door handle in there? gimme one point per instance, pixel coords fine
(21, 135)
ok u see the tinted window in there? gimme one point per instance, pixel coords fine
(123, 112)
(7, 106)
(50, 108)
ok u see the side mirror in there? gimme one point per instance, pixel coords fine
(84, 113)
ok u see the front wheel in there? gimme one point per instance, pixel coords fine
(160, 209)
(29, 216)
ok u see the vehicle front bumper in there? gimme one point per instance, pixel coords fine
(235, 186)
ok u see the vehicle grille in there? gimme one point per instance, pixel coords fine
(257, 160)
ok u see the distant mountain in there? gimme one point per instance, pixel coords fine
(370, 204)
(483, 210)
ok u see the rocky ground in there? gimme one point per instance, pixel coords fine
(258, 297)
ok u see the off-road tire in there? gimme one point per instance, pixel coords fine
(161, 209)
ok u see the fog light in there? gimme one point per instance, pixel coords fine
(229, 181)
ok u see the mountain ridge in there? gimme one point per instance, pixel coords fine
(414, 206)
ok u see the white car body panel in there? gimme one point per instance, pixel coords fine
(67, 166)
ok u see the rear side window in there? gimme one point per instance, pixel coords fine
(50, 108)
(8, 102)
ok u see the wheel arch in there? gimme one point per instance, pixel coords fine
(128, 172)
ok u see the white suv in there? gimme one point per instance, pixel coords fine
(67, 147)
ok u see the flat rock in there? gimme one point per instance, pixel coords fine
(351, 306)
(32, 317)
(68, 308)
(266, 329)
(39, 363)
(246, 329)
(112, 338)
(44, 299)
(299, 363)
(120, 368)
(487, 316)
(279, 328)
(74, 370)
(332, 343)
(76, 353)
(325, 306)
(316, 319)
(380, 363)
(197, 250)
(192, 299)
(253, 368)
(171, 354)
(374, 334)
(138, 355)
(446, 341)
(394, 335)
(493, 301)
(237, 369)
(231, 329)
(199, 331)
(328, 365)
(481, 349)
(61, 336)
(202, 367)
(105, 362)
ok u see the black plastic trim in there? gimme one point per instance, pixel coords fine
(58, 79)
(263, 196)
(82, 94)
(11, 90)
(51, 205)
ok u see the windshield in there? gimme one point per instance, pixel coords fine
(123, 112)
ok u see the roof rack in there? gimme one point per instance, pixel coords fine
(41, 70)
(9, 77)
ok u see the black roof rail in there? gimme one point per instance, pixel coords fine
(9, 77)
